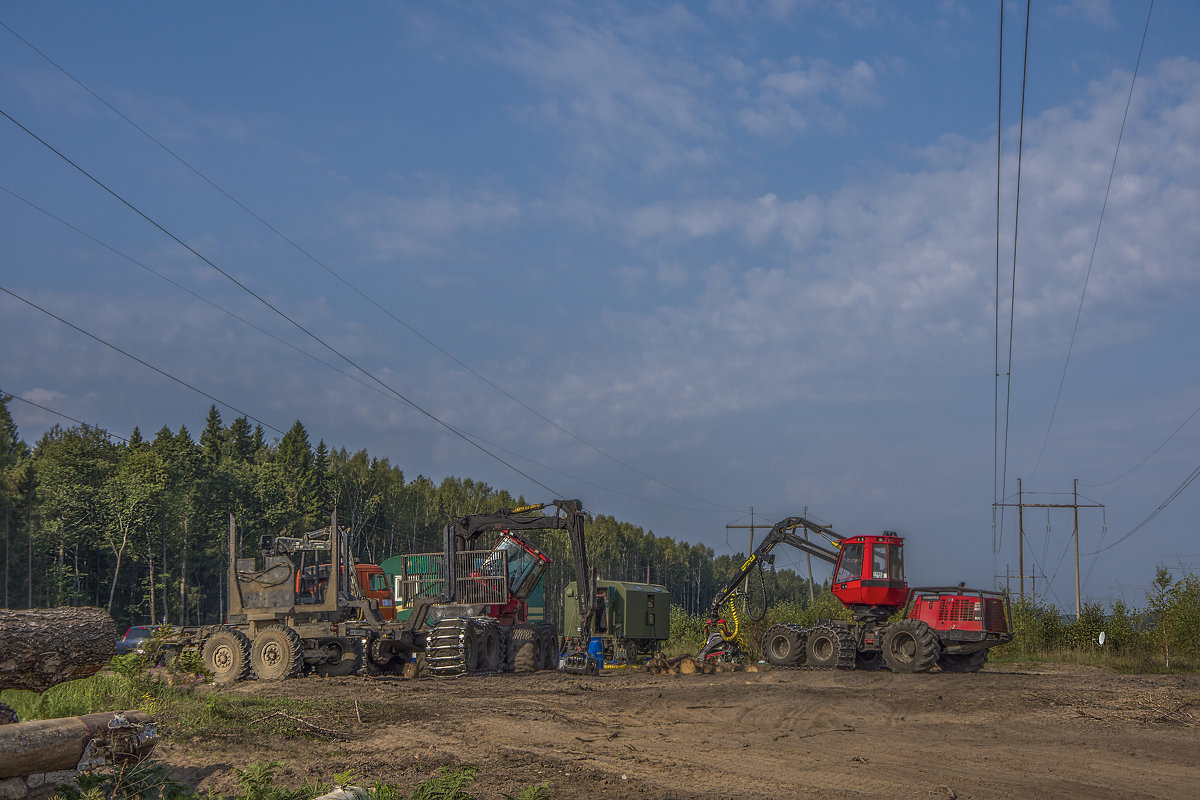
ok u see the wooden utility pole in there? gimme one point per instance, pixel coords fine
(1021, 505)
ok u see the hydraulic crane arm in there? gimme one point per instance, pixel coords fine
(569, 516)
(782, 532)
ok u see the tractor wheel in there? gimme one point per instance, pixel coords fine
(910, 646)
(345, 657)
(830, 647)
(277, 653)
(783, 646)
(549, 643)
(957, 662)
(870, 660)
(488, 655)
(227, 656)
(525, 649)
(379, 661)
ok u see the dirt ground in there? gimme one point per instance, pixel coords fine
(1057, 731)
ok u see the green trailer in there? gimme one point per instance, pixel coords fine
(636, 620)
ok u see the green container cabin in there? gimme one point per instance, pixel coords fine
(637, 618)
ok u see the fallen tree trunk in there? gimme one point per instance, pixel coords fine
(42, 647)
(49, 745)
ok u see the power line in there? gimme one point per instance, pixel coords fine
(997, 535)
(324, 363)
(96, 428)
(1170, 498)
(147, 364)
(1095, 241)
(266, 303)
(335, 274)
(1016, 228)
(1152, 453)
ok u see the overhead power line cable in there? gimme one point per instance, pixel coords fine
(1153, 453)
(272, 307)
(146, 364)
(333, 367)
(96, 428)
(997, 532)
(1095, 241)
(337, 276)
(1016, 229)
(1170, 499)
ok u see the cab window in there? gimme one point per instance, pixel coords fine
(850, 567)
(879, 561)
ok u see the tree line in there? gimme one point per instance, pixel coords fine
(139, 526)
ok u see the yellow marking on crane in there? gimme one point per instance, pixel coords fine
(749, 561)
(537, 507)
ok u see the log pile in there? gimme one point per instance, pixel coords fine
(43, 647)
(686, 665)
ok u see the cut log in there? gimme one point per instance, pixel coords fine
(48, 745)
(687, 666)
(43, 647)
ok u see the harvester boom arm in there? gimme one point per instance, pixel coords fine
(781, 532)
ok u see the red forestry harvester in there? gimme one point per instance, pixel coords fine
(951, 627)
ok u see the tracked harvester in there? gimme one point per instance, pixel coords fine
(477, 610)
(948, 626)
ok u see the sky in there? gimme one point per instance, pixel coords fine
(677, 260)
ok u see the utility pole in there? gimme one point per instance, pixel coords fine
(1021, 505)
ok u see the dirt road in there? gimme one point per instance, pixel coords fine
(1070, 732)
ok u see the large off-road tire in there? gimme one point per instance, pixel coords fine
(830, 647)
(525, 649)
(869, 660)
(549, 640)
(226, 655)
(910, 646)
(277, 653)
(956, 662)
(346, 657)
(488, 655)
(783, 646)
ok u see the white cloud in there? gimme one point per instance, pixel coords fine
(424, 223)
(897, 274)
(1097, 12)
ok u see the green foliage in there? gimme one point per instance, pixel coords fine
(257, 782)
(145, 780)
(448, 784)
(539, 792)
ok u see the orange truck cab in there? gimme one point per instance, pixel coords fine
(374, 585)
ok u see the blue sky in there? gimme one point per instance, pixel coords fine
(746, 249)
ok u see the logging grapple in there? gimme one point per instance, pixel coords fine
(893, 626)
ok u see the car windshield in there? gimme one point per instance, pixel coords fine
(137, 634)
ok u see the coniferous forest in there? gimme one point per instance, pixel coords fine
(139, 525)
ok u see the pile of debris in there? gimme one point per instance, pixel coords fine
(686, 665)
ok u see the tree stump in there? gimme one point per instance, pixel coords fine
(43, 647)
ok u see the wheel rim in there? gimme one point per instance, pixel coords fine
(781, 646)
(271, 655)
(222, 658)
(823, 648)
(904, 646)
